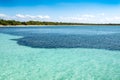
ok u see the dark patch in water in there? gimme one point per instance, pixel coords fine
(56, 40)
(71, 41)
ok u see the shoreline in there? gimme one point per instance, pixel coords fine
(58, 25)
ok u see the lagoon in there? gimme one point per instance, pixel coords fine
(60, 53)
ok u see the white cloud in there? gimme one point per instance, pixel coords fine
(117, 17)
(3, 15)
(79, 18)
(39, 16)
(85, 18)
(114, 19)
(20, 16)
(42, 17)
(47, 17)
(32, 16)
(88, 18)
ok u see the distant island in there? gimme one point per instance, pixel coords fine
(15, 23)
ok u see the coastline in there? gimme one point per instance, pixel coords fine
(37, 25)
(58, 25)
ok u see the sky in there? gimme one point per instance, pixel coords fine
(80, 11)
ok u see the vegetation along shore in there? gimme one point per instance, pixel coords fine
(37, 23)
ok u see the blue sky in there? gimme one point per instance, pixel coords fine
(93, 11)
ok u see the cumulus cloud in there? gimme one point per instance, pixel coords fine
(47, 17)
(79, 18)
(3, 15)
(114, 19)
(85, 18)
(25, 17)
(20, 16)
(82, 18)
(32, 16)
(88, 18)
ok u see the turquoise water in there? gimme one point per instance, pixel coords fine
(18, 62)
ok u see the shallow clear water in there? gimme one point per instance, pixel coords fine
(25, 62)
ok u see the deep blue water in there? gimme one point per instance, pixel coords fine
(98, 37)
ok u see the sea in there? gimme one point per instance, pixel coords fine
(60, 53)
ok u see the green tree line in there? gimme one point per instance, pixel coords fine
(13, 22)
